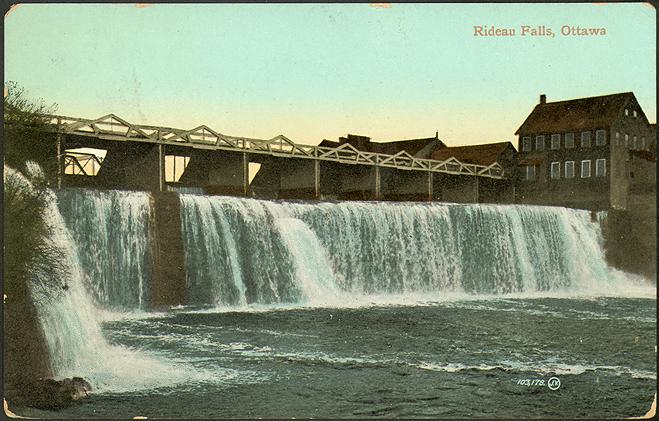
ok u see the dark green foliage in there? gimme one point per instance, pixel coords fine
(24, 229)
(28, 256)
(25, 131)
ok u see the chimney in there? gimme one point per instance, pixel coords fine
(543, 98)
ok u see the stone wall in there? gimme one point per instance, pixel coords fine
(630, 236)
(25, 353)
(168, 283)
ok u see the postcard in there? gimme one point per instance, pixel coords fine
(367, 210)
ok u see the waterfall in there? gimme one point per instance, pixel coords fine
(111, 232)
(70, 318)
(312, 267)
(234, 254)
(251, 251)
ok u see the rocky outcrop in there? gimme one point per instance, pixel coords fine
(57, 394)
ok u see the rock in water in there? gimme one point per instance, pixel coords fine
(57, 394)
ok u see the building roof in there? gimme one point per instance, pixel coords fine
(364, 143)
(576, 114)
(411, 146)
(329, 144)
(485, 154)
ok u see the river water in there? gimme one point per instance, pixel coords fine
(352, 310)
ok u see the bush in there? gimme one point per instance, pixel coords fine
(26, 130)
(30, 260)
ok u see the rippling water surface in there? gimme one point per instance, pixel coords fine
(344, 310)
(462, 358)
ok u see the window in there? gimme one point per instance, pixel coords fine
(585, 139)
(642, 142)
(600, 168)
(585, 169)
(540, 143)
(600, 137)
(569, 169)
(526, 144)
(627, 111)
(556, 141)
(626, 140)
(530, 172)
(555, 170)
(175, 167)
(635, 114)
(569, 140)
(634, 145)
(617, 138)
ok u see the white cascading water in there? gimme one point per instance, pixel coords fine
(111, 230)
(71, 325)
(235, 254)
(312, 268)
(246, 250)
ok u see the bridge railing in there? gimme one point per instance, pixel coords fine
(112, 127)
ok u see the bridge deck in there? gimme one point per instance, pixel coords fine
(111, 127)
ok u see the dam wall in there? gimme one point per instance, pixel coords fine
(190, 249)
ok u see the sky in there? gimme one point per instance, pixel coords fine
(320, 71)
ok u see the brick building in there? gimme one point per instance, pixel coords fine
(585, 153)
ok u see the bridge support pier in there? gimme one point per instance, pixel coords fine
(161, 167)
(316, 175)
(477, 190)
(378, 184)
(245, 174)
(431, 189)
(168, 283)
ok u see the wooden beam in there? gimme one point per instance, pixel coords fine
(377, 182)
(430, 186)
(245, 174)
(477, 191)
(316, 179)
(161, 167)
